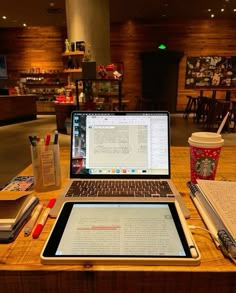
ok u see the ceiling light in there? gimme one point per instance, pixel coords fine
(209, 9)
(212, 15)
(222, 10)
(234, 9)
(4, 17)
(24, 24)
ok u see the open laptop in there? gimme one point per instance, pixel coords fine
(119, 156)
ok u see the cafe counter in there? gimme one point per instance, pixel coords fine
(16, 108)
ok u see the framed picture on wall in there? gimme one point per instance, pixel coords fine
(210, 71)
(3, 67)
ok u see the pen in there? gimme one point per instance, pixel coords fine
(30, 225)
(47, 139)
(32, 140)
(55, 137)
(188, 234)
(39, 227)
(210, 226)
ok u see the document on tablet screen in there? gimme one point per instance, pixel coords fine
(119, 229)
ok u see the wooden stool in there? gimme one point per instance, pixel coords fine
(202, 109)
(191, 107)
(233, 113)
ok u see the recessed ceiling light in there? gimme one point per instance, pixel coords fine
(222, 10)
(24, 24)
(234, 9)
(4, 17)
(209, 9)
(212, 15)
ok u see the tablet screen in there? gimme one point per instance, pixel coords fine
(117, 230)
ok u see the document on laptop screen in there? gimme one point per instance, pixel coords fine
(127, 142)
(113, 144)
(115, 229)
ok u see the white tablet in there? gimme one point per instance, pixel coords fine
(120, 233)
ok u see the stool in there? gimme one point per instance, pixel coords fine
(233, 113)
(191, 107)
(202, 109)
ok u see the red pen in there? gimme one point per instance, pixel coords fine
(39, 227)
(47, 139)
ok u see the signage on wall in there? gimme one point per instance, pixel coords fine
(210, 71)
(3, 67)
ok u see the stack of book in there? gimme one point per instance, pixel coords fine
(15, 209)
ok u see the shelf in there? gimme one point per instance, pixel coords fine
(103, 89)
(74, 53)
(78, 70)
(34, 74)
(43, 84)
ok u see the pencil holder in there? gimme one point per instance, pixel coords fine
(46, 167)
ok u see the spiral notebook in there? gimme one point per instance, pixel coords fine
(216, 203)
(221, 195)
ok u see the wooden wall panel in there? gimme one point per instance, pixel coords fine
(42, 47)
(29, 47)
(194, 38)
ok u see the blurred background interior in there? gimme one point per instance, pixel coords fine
(148, 55)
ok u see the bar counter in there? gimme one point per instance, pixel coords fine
(16, 108)
(21, 270)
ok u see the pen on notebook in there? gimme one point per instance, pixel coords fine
(210, 226)
(39, 227)
(30, 225)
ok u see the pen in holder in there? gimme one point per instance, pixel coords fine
(46, 167)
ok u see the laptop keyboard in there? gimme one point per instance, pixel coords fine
(129, 188)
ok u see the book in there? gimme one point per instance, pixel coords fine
(13, 205)
(20, 183)
(9, 236)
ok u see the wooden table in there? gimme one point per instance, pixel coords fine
(21, 270)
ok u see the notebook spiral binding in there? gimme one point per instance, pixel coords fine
(227, 242)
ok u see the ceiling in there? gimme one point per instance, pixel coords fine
(52, 12)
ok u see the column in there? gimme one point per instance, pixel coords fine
(89, 21)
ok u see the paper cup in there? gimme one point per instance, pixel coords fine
(205, 148)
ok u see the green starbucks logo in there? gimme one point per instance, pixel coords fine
(205, 166)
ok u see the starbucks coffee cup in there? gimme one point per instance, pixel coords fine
(205, 148)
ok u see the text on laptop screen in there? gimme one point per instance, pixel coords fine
(120, 144)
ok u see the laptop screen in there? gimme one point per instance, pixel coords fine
(120, 144)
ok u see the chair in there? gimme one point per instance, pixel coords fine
(191, 107)
(217, 109)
